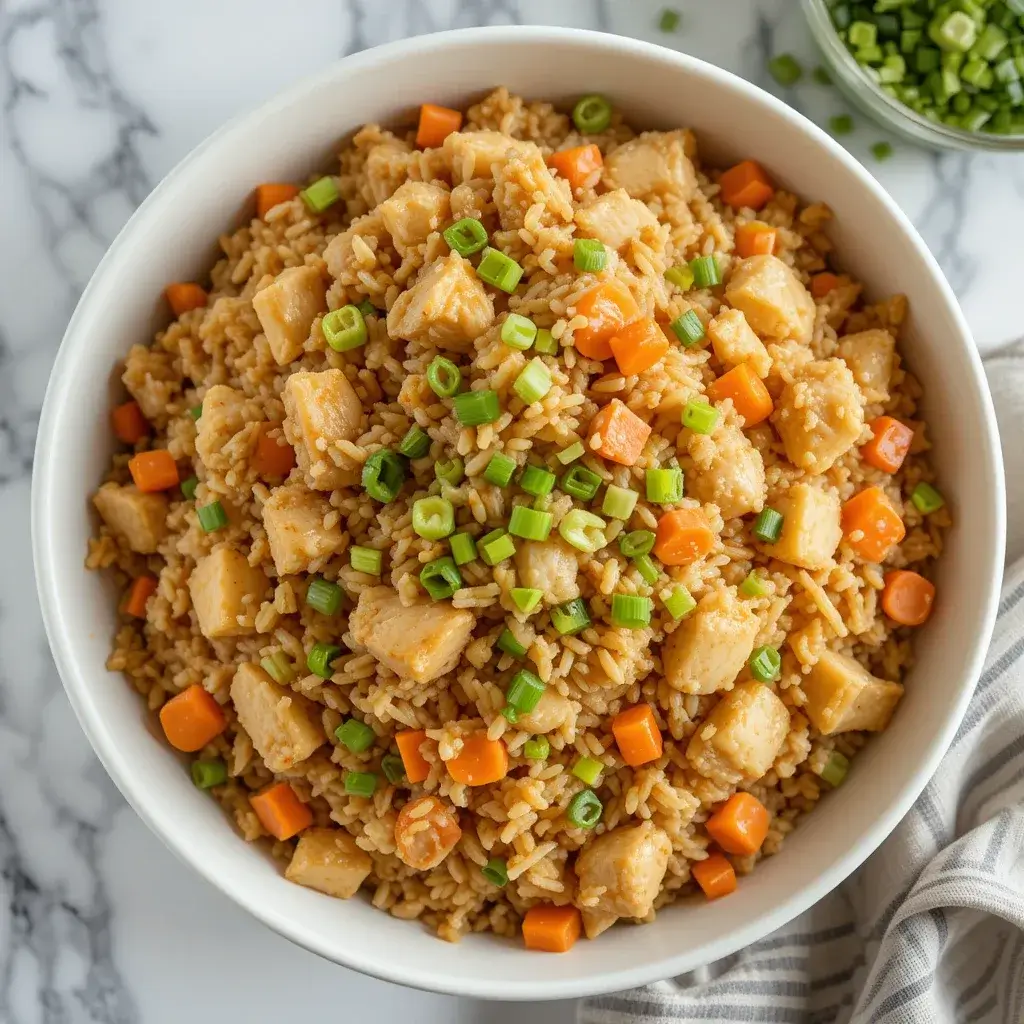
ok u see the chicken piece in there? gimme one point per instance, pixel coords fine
(284, 726)
(523, 180)
(734, 343)
(225, 588)
(140, 519)
(741, 737)
(788, 359)
(448, 306)
(710, 648)
(287, 308)
(727, 471)
(811, 526)
(414, 211)
(843, 696)
(551, 713)
(774, 301)
(629, 863)
(819, 415)
(474, 154)
(616, 219)
(550, 566)
(224, 415)
(328, 860)
(654, 164)
(426, 831)
(351, 255)
(152, 379)
(321, 409)
(870, 356)
(387, 167)
(294, 520)
(418, 642)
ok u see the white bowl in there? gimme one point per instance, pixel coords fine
(172, 237)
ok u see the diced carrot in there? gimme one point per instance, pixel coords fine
(417, 767)
(908, 597)
(184, 296)
(271, 194)
(889, 446)
(436, 124)
(683, 536)
(154, 471)
(755, 239)
(740, 825)
(577, 165)
(749, 396)
(280, 811)
(746, 184)
(637, 735)
(871, 524)
(191, 719)
(608, 306)
(551, 929)
(480, 762)
(141, 590)
(618, 434)
(715, 875)
(273, 457)
(638, 346)
(128, 422)
(822, 284)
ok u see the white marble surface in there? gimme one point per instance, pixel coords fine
(101, 98)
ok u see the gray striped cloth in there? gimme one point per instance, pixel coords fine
(931, 929)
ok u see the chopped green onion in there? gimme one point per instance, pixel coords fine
(344, 329)
(450, 471)
(882, 150)
(466, 236)
(529, 523)
(956, 33)
(196, 412)
(706, 272)
(496, 546)
(841, 124)
(619, 502)
(647, 569)
(754, 585)
(700, 417)
(862, 34)
(324, 596)
(499, 270)
(768, 525)
(669, 20)
(588, 770)
(463, 548)
(367, 308)
(510, 645)
(279, 667)
(537, 481)
(592, 114)
(664, 486)
(212, 517)
(583, 530)
(188, 487)
(321, 194)
(533, 382)
(585, 809)
(630, 611)
(589, 255)
(383, 475)
(415, 444)
(393, 768)
(518, 332)
(821, 76)
(368, 560)
(355, 735)
(637, 542)
(510, 714)
(207, 774)
(681, 276)
(500, 469)
(571, 454)
(688, 328)
(319, 659)
(765, 663)
(546, 344)
(926, 499)
(571, 617)
(433, 518)
(580, 482)
(835, 768)
(496, 872)
(360, 784)
(526, 599)
(537, 749)
(474, 408)
(525, 691)
(785, 69)
(679, 602)
(441, 578)
(444, 377)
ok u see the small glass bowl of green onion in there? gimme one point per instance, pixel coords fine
(946, 74)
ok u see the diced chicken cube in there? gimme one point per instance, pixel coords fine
(321, 409)
(287, 308)
(224, 415)
(811, 526)
(226, 588)
(522, 181)
(727, 470)
(414, 211)
(741, 737)
(474, 154)
(616, 219)
(819, 415)
(734, 342)
(843, 696)
(448, 306)
(284, 727)
(870, 356)
(418, 642)
(772, 298)
(152, 379)
(294, 520)
(708, 651)
(387, 167)
(328, 860)
(139, 518)
(551, 713)
(551, 567)
(351, 255)
(629, 863)
(654, 164)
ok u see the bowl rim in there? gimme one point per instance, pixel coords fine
(75, 677)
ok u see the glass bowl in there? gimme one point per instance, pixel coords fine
(864, 93)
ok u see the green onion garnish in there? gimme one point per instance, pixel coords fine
(664, 486)
(785, 69)
(546, 344)
(835, 768)
(360, 784)
(679, 602)
(495, 547)
(212, 517)
(433, 518)
(592, 114)
(688, 328)
(206, 774)
(321, 194)
(706, 272)
(580, 482)
(367, 308)
(474, 408)
(821, 76)
(754, 586)
(518, 332)
(926, 499)
(589, 255)
(533, 382)
(700, 417)
(571, 454)
(585, 809)
(525, 691)
(957, 32)
(368, 560)
(383, 475)
(764, 664)
(441, 578)
(647, 569)
(588, 770)
(319, 659)
(188, 487)
(630, 611)
(393, 768)
(526, 598)
(355, 735)
(768, 525)
(444, 377)
(637, 542)
(496, 872)
(324, 596)
(499, 270)
(537, 481)
(619, 502)
(583, 530)
(537, 749)
(278, 667)
(466, 236)
(500, 469)
(681, 276)
(508, 643)
(529, 523)
(841, 124)
(450, 471)
(463, 548)
(344, 329)
(415, 444)
(510, 714)
(571, 617)
(196, 412)
(669, 20)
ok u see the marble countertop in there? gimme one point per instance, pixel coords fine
(98, 922)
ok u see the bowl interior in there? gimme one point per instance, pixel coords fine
(172, 237)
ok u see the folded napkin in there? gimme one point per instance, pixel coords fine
(930, 930)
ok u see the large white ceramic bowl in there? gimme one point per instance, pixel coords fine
(172, 237)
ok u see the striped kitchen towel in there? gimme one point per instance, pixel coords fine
(931, 929)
